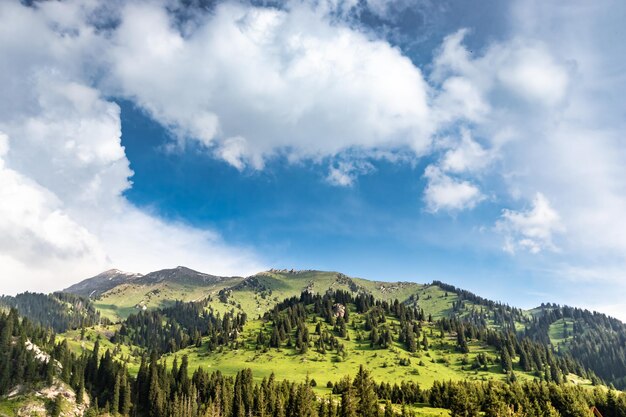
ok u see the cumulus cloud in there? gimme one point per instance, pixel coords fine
(466, 156)
(531, 229)
(547, 105)
(444, 192)
(250, 82)
(36, 232)
(63, 169)
(447, 185)
(33, 223)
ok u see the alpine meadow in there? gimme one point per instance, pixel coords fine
(380, 208)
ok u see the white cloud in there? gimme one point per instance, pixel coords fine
(235, 151)
(553, 95)
(511, 83)
(542, 110)
(279, 81)
(532, 73)
(444, 192)
(34, 224)
(466, 156)
(551, 108)
(462, 156)
(344, 173)
(63, 170)
(531, 229)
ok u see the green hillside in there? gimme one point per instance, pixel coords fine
(128, 298)
(257, 295)
(442, 361)
(426, 349)
(253, 295)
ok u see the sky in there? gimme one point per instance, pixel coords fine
(478, 143)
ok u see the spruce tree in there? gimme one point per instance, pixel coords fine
(505, 361)
(115, 404)
(367, 405)
(348, 406)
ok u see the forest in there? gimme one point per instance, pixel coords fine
(162, 389)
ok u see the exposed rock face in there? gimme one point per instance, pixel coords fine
(339, 310)
(35, 402)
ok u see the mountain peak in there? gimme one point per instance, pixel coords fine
(101, 283)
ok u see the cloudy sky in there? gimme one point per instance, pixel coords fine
(479, 143)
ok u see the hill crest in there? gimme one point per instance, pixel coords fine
(97, 285)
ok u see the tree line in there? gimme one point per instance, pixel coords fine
(181, 325)
(59, 311)
(597, 341)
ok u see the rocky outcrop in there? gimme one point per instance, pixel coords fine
(40, 402)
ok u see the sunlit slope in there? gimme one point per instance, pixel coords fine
(160, 289)
(440, 360)
(259, 293)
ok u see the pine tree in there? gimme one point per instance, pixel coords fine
(127, 397)
(460, 340)
(462, 404)
(115, 404)
(155, 397)
(50, 371)
(348, 407)
(56, 406)
(505, 360)
(306, 401)
(80, 391)
(367, 399)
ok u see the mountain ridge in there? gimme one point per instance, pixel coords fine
(105, 281)
(99, 284)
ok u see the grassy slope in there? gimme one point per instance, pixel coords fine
(121, 301)
(129, 355)
(260, 295)
(10, 407)
(441, 362)
(556, 332)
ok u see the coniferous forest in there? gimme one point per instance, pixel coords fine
(31, 355)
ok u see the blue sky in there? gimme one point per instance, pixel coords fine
(378, 228)
(478, 143)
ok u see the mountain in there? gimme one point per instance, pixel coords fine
(432, 347)
(585, 340)
(118, 294)
(391, 372)
(180, 275)
(95, 286)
